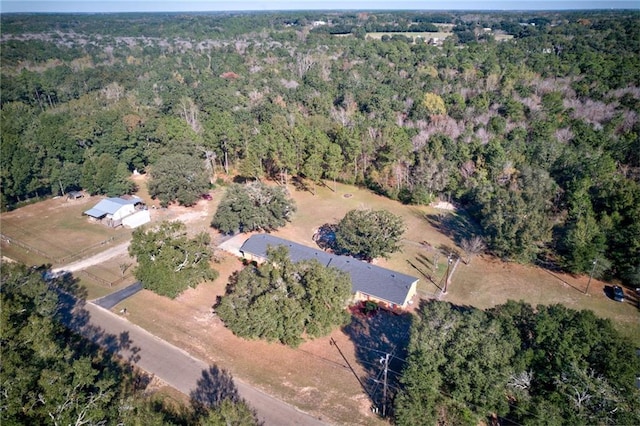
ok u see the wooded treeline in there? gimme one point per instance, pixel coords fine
(516, 364)
(537, 136)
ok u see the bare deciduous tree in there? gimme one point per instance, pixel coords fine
(471, 247)
(304, 64)
(521, 380)
(189, 112)
(113, 91)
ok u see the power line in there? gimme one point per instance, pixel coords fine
(334, 343)
(387, 385)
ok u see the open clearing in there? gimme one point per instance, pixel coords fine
(315, 377)
(426, 36)
(55, 232)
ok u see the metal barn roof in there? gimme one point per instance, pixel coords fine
(110, 206)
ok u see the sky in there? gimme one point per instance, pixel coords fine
(90, 6)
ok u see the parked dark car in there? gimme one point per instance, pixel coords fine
(618, 293)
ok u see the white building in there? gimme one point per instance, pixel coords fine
(114, 212)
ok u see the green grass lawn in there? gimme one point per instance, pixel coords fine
(58, 233)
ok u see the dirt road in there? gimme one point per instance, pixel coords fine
(173, 365)
(94, 260)
(183, 214)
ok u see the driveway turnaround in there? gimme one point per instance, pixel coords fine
(176, 367)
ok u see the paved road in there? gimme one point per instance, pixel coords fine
(182, 371)
(169, 363)
(111, 300)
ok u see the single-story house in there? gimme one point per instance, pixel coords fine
(113, 212)
(369, 282)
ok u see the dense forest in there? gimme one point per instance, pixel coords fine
(51, 375)
(516, 364)
(527, 121)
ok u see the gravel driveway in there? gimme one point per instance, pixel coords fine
(95, 259)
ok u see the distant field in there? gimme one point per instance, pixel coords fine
(424, 35)
(502, 37)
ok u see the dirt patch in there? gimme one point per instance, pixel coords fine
(443, 205)
(315, 377)
(56, 232)
(96, 259)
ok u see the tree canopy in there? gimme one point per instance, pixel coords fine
(178, 177)
(533, 129)
(50, 375)
(283, 301)
(169, 261)
(369, 233)
(549, 364)
(253, 206)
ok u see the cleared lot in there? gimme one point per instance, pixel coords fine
(315, 377)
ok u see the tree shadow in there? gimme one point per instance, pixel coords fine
(215, 386)
(86, 338)
(300, 184)
(242, 179)
(425, 261)
(71, 312)
(71, 297)
(448, 250)
(374, 337)
(457, 226)
(325, 237)
(425, 267)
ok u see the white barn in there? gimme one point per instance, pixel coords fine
(113, 212)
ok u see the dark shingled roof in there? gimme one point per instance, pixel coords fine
(375, 281)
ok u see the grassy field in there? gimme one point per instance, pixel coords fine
(484, 283)
(315, 377)
(55, 232)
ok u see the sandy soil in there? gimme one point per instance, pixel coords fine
(95, 260)
(315, 377)
(196, 217)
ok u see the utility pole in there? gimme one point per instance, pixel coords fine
(595, 262)
(446, 280)
(385, 361)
